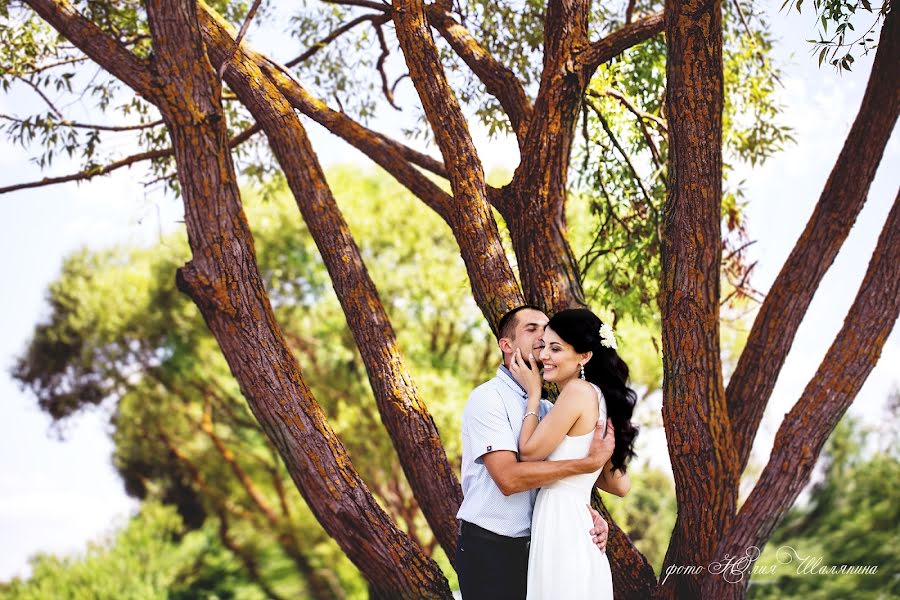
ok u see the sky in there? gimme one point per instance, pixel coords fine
(56, 494)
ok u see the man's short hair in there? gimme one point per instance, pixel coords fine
(507, 325)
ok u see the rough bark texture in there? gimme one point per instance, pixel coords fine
(633, 577)
(406, 418)
(841, 201)
(694, 412)
(224, 281)
(827, 397)
(493, 283)
(498, 79)
(535, 209)
(533, 205)
(105, 51)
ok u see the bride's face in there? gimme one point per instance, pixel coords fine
(561, 362)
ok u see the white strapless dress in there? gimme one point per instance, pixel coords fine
(564, 562)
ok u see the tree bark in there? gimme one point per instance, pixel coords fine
(534, 205)
(410, 425)
(224, 281)
(633, 577)
(827, 396)
(694, 413)
(493, 283)
(839, 205)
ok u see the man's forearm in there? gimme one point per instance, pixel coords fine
(529, 475)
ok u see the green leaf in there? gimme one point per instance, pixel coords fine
(822, 55)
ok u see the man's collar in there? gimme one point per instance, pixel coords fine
(506, 377)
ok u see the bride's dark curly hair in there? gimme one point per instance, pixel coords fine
(580, 328)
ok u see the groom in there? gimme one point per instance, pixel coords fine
(498, 490)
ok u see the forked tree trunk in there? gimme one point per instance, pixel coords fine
(405, 416)
(224, 281)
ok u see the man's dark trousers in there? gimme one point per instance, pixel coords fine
(491, 566)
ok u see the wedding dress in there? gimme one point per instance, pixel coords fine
(564, 563)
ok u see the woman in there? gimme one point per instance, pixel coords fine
(579, 356)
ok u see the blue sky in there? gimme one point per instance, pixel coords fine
(55, 495)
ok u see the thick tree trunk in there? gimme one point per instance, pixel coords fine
(406, 418)
(547, 266)
(224, 281)
(841, 201)
(696, 421)
(534, 202)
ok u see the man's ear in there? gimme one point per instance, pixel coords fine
(506, 346)
(587, 356)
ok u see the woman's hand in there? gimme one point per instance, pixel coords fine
(527, 374)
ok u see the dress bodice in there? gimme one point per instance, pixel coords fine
(573, 447)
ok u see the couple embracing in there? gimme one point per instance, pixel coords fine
(528, 467)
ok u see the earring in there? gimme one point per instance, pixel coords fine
(582, 370)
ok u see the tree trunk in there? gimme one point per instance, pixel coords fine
(547, 266)
(534, 202)
(224, 281)
(493, 283)
(696, 421)
(406, 418)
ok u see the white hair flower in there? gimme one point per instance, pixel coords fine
(608, 337)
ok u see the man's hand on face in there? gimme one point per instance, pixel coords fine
(600, 531)
(603, 444)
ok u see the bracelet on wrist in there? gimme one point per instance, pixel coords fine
(530, 413)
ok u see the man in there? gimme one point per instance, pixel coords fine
(498, 490)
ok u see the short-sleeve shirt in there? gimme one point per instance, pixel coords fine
(492, 421)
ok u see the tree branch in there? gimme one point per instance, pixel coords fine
(75, 125)
(842, 199)
(91, 172)
(499, 80)
(96, 44)
(620, 40)
(842, 373)
(405, 416)
(378, 19)
(224, 281)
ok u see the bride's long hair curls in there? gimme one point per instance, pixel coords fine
(581, 328)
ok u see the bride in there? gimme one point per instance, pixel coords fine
(579, 356)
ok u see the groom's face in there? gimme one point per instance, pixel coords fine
(528, 334)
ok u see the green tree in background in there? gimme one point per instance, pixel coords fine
(152, 558)
(852, 518)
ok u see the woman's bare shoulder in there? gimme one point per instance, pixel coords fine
(578, 391)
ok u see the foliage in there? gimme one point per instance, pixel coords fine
(621, 163)
(851, 518)
(152, 558)
(838, 45)
(119, 332)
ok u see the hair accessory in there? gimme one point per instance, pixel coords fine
(582, 370)
(608, 337)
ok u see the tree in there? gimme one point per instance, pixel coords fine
(850, 520)
(151, 558)
(190, 47)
